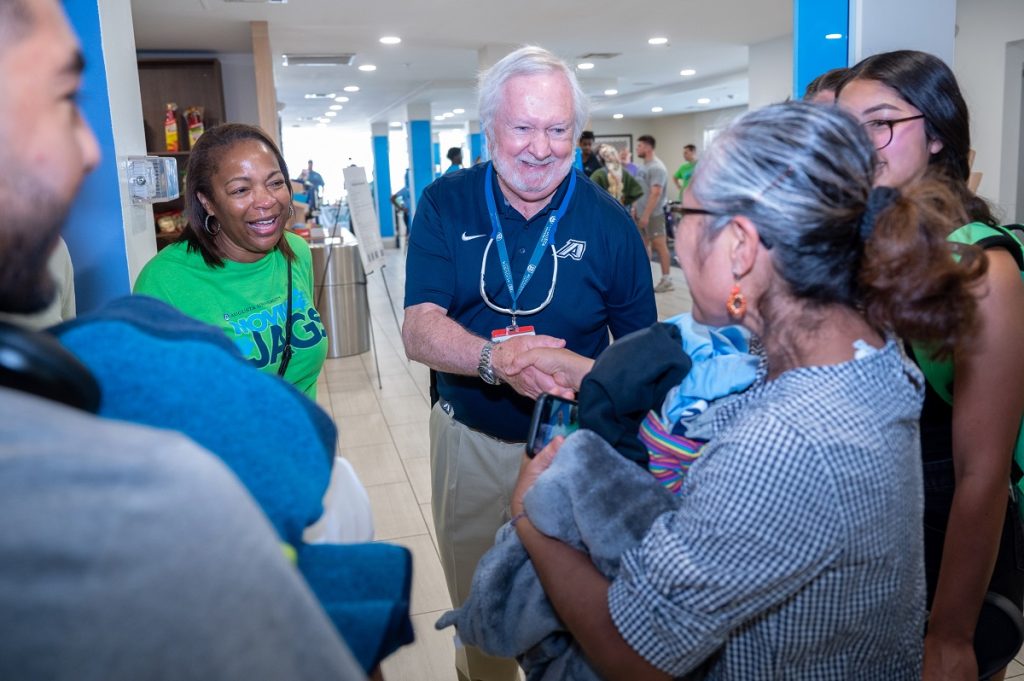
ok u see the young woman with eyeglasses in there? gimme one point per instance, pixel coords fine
(911, 106)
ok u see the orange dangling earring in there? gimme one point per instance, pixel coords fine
(736, 305)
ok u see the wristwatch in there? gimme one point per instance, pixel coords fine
(485, 368)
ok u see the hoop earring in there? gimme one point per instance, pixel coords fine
(206, 226)
(736, 304)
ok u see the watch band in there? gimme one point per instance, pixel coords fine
(484, 368)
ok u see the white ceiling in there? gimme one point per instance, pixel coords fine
(442, 40)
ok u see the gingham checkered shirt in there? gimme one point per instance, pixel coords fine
(797, 551)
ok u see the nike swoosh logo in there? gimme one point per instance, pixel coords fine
(466, 237)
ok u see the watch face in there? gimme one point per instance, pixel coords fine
(484, 369)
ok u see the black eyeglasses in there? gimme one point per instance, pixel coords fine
(880, 130)
(700, 211)
(696, 211)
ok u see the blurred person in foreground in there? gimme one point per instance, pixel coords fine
(126, 552)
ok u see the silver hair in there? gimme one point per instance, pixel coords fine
(529, 60)
(802, 174)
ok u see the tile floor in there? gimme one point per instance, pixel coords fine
(383, 433)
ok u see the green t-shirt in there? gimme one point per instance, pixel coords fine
(684, 174)
(247, 302)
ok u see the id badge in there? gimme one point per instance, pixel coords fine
(502, 335)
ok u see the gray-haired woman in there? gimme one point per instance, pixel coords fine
(796, 549)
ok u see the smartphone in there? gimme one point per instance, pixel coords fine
(551, 416)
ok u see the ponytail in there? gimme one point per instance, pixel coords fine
(912, 280)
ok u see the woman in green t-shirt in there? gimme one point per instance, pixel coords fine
(235, 266)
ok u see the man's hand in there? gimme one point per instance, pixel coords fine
(527, 381)
(643, 220)
(564, 366)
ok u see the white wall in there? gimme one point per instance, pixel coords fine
(988, 69)
(118, 34)
(884, 25)
(239, 78)
(771, 71)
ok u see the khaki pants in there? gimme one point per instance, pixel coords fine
(472, 476)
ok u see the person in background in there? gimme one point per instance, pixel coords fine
(455, 158)
(62, 307)
(682, 176)
(315, 185)
(797, 545)
(650, 208)
(626, 159)
(402, 201)
(591, 162)
(822, 90)
(613, 177)
(236, 267)
(126, 552)
(911, 106)
(527, 207)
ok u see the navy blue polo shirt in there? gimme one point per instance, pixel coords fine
(603, 283)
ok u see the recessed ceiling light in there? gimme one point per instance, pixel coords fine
(367, 67)
(439, 118)
(319, 95)
(656, 109)
(657, 41)
(336, 107)
(324, 120)
(833, 36)
(341, 100)
(448, 114)
(687, 72)
(616, 115)
(458, 111)
(611, 91)
(390, 40)
(396, 124)
(585, 66)
(351, 88)
(703, 100)
(332, 114)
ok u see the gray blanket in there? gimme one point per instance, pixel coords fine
(592, 499)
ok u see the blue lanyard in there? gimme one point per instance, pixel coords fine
(547, 236)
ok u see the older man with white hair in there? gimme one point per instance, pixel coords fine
(520, 252)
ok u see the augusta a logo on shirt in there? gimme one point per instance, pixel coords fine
(572, 249)
(260, 336)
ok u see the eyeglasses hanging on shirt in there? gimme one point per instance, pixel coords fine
(547, 238)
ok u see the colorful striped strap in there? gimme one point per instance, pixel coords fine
(670, 455)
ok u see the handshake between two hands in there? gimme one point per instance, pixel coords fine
(540, 364)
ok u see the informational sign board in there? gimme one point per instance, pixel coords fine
(363, 215)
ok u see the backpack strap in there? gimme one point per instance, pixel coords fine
(939, 374)
(1003, 238)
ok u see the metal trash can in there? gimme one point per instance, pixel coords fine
(339, 290)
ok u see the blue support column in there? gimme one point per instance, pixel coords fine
(476, 144)
(813, 53)
(420, 152)
(382, 179)
(94, 229)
